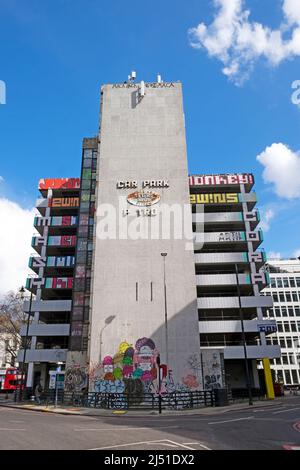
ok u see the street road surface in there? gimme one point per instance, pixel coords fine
(266, 427)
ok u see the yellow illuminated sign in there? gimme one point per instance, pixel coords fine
(226, 198)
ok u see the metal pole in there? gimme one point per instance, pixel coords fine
(23, 373)
(243, 336)
(159, 383)
(166, 311)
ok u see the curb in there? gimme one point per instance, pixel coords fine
(153, 413)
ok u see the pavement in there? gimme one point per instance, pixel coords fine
(71, 410)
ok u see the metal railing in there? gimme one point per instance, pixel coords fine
(123, 401)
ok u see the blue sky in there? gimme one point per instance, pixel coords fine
(55, 54)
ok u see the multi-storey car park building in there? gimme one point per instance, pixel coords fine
(116, 286)
(285, 291)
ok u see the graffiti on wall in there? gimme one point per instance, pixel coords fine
(134, 370)
(213, 369)
(76, 378)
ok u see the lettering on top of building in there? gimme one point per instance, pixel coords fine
(133, 184)
(226, 198)
(63, 202)
(147, 85)
(59, 183)
(221, 180)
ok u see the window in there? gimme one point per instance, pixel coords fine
(281, 297)
(273, 283)
(292, 359)
(288, 296)
(297, 311)
(284, 358)
(280, 327)
(292, 282)
(280, 376)
(284, 312)
(277, 312)
(289, 343)
(286, 326)
(282, 342)
(295, 297)
(271, 313)
(279, 283)
(286, 283)
(288, 380)
(298, 281)
(275, 297)
(278, 361)
(291, 311)
(293, 327)
(295, 377)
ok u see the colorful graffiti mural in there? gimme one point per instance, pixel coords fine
(133, 370)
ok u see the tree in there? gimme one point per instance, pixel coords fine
(12, 317)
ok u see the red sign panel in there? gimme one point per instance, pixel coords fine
(221, 180)
(59, 183)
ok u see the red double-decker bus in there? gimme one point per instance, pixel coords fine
(10, 379)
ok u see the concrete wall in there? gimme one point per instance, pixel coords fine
(144, 141)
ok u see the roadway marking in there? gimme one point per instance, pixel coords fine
(161, 441)
(126, 429)
(232, 420)
(291, 447)
(286, 411)
(196, 444)
(166, 442)
(267, 409)
(296, 426)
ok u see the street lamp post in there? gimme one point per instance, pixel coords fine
(23, 373)
(243, 336)
(166, 310)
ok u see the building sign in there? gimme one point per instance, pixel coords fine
(221, 180)
(64, 240)
(59, 183)
(226, 198)
(232, 237)
(65, 220)
(145, 184)
(61, 261)
(267, 327)
(143, 198)
(147, 85)
(59, 283)
(63, 202)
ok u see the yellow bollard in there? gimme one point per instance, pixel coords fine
(268, 379)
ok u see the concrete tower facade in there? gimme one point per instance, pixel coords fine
(144, 299)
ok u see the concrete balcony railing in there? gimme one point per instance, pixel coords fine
(43, 355)
(229, 237)
(234, 326)
(48, 306)
(254, 301)
(222, 279)
(230, 258)
(42, 329)
(253, 352)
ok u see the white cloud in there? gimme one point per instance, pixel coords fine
(267, 216)
(1, 179)
(274, 255)
(15, 240)
(282, 169)
(238, 42)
